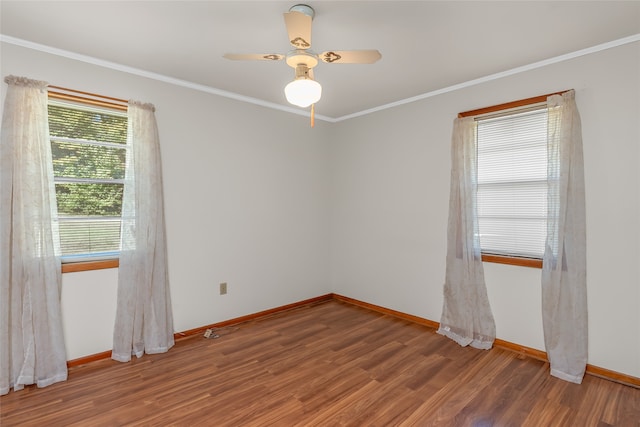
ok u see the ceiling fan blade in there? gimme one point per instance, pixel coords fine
(299, 29)
(350, 56)
(254, 56)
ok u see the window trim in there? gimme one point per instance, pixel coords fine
(73, 267)
(57, 92)
(508, 105)
(503, 259)
(512, 260)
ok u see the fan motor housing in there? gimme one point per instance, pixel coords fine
(300, 56)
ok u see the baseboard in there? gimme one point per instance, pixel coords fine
(517, 348)
(254, 316)
(88, 359)
(521, 349)
(261, 314)
(384, 310)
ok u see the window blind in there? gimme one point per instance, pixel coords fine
(88, 146)
(512, 183)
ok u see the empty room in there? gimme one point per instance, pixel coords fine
(209, 217)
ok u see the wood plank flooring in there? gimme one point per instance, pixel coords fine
(330, 364)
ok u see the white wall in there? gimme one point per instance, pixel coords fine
(359, 207)
(246, 203)
(390, 192)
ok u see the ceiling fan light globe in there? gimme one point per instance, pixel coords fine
(303, 92)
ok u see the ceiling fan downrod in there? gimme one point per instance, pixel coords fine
(302, 72)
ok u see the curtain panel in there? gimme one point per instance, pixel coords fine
(466, 314)
(564, 277)
(144, 320)
(32, 347)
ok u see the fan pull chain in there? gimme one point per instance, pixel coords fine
(313, 115)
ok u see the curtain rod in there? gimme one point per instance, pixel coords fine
(59, 92)
(509, 105)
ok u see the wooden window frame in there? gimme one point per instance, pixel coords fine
(505, 259)
(73, 267)
(62, 93)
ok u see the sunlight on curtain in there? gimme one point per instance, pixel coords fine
(466, 314)
(31, 339)
(144, 320)
(564, 282)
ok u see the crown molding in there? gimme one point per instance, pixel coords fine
(211, 90)
(155, 76)
(556, 59)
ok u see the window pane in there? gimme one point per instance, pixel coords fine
(503, 236)
(89, 124)
(89, 236)
(76, 160)
(512, 184)
(80, 199)
(88, 147)
(522, 163)
(510, 200)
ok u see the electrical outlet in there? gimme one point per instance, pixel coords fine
(223, 288)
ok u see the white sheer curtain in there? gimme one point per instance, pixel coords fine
(564, 283)
(466, 314)
(144, 320)
(31, 341)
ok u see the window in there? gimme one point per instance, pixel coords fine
(512, 180)
(512, 183)
(88, 146)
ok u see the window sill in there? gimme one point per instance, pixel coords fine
(522, 262)
(73, 267)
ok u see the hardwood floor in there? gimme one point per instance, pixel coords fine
(329, 364)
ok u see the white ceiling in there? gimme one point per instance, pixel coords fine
(426, 45)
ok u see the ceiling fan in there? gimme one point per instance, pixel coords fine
(304, 91)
